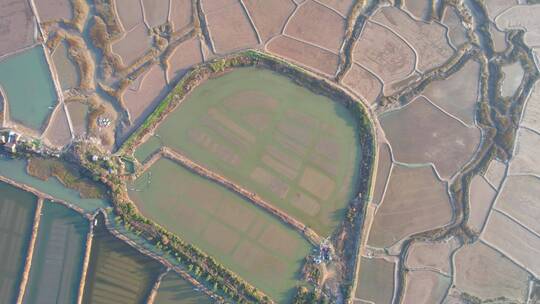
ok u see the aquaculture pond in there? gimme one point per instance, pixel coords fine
(15, 169)
(296, 149)
(241, 236)
(27, 82)
(175, 290)
(58, 256)
(17, 210)
(118, 273)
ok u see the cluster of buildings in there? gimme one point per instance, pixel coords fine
(9, 140)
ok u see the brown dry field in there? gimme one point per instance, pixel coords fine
(342, 6)
(305, 54)
(458, 93)
(499, 39)
(16, 25)
(317, 24)
(513, 240)
(495, 172)
(363, 83)
(141, 102)
(133, 45)
(483, 272)
(415, 201)
(211, 6)
(230, 28)
(156, 12)
(53, 10)
(456, 31)
(77, 113)
(418, 8)
(519, 198)
(129, 13)
(495, 7)
(184, 56)
(431, 255)
(384, 53)
(66, 68)
(481, 197)
(375, 281)
(269, 25)
(421, 133)
(428, 39)
(531, 117)
(180, 15)
(425, 287)
(58, 133)
(527, 149)
(384, 168)
(512, 76)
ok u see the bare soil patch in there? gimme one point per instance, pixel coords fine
(269, 24)
(514, 241)
(130, 13)
(375, 280)
(495, 7)
(483, 272)
(526, 153)
(184, 57)
(181, 14)
(481, 197)
(49, 10)
(415, 201)
(342, 6)
(456, 31)
(16, 25)
(133, 45)
(384, 53)
(58, 133)
(156, 12)
(431, 255)
(458, 93)
(428, 39)
(421, 133)
(531, 115)
(425, 287)
(363, 83)
(513, 74)
(141, 102)
(229, 27)
(317, 24)
(499, 39)
(383, 172)
(495, 173)
(307, 55)
(420, 9)
(78, 113)
(519, 198)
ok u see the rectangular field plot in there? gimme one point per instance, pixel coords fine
(175, 290)
(58, 256)
(17, 209)
(238, 234)
(297, 150)
(117, 273)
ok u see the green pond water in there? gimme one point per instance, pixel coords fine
(118, 273)
(241, 236)
(58, 256)
(17, 209)
(175, 290)
(15, 169)
(29, 88)
(297, 150)
(147, 148)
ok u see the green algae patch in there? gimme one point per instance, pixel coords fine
(17, 209)
(241, 236)
(58, 256)
(27, 82)
(296, 149)
(175, 290)
(117, 272)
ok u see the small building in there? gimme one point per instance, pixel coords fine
(11, 147)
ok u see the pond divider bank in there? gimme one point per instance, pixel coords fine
(182, 160)
(346, 238)
(153, 293)
(86, 260)
(30, 251)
